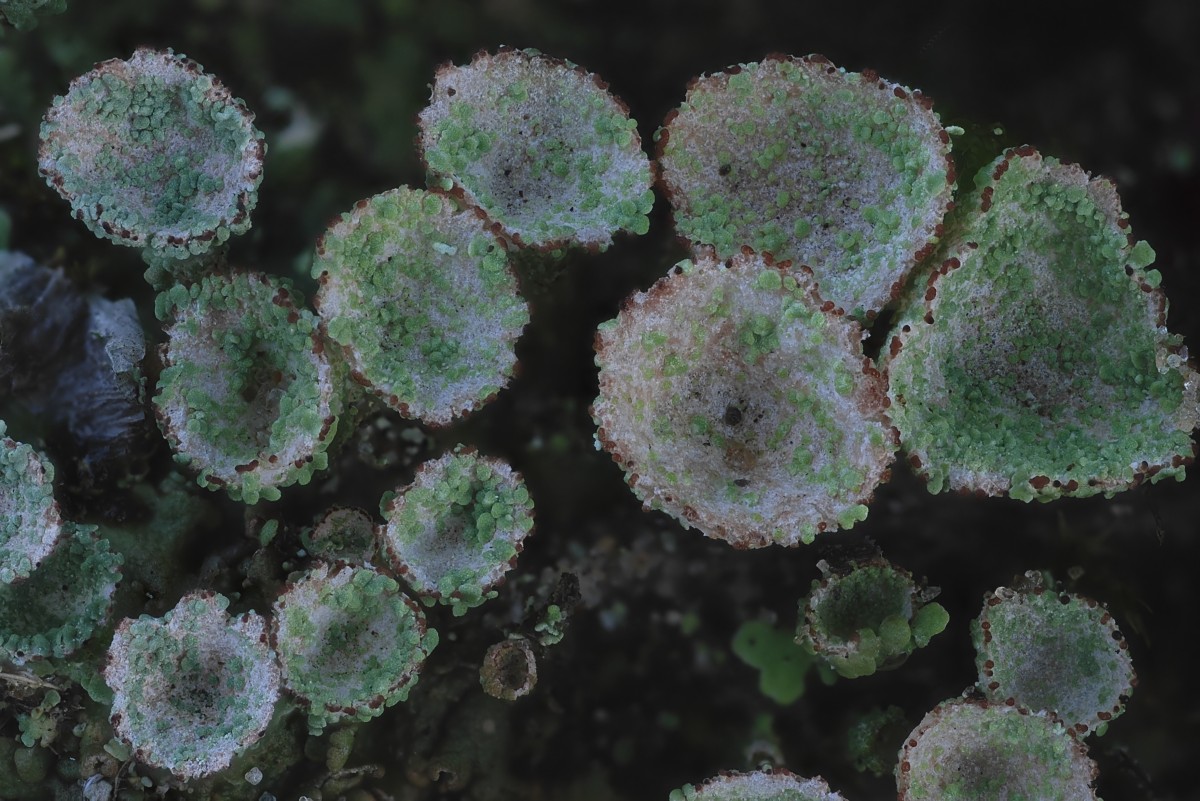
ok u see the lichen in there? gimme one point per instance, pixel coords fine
(976, 751)
(540, 146)
(151, 152)
(1035, 362)
(23, 14)
(30, 520)
(841, 171)
(868, 616)
(248, 398)
(350, 643)
(64, 602)
(761, 785)
(423, 302)
(737, 404)
(457, 528)
(193, 688)
(1060, 652)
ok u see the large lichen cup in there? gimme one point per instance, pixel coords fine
(152, 152)
(1035, 361)
(423, 302)
(351, 644)
(457, 528)
(978, 751)
(842, 171)
(248, 398)
(193, 688)
(738, 403)
(539, 145)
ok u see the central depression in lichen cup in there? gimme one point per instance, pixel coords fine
(247, 396)
(152, 152)
(735, 403)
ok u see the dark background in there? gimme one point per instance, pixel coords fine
(633, 702)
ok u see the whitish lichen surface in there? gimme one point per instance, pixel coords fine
(247, 396)
(541, 146)
(1036, 361)
(152, 152)
(734, 403)
(841, 171)
(457, 529)
(777, 785)
(193, 688)
(64, 602)
(423, 302)
(351, 644)
(868, 617)
(30, 521)
(975, 751)
(1055, 651)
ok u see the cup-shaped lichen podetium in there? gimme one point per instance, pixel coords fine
(539, 145)
(842, 171)
(194, 688)
(1035, 361)
(247, 397)
(978, 751)
(64, 602)
(423, 302)
(868, 616)
(30, 521)
(349, 641)
(738, 405)
(1055, 651)
(152, 152)
(457, 528)
(761, 785)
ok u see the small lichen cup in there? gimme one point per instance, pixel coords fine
(350, 643)
(194, 688)
(456, 530)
